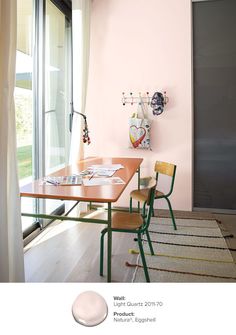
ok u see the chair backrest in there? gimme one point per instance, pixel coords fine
(167, 169)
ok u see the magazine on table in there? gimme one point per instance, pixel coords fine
(64, 180)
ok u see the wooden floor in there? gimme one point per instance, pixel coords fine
(69, 251)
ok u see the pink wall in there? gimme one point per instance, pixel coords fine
(139, 46)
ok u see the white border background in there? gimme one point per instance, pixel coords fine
(187, 308)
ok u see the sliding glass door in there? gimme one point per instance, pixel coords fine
(57, 92)
(42, 96)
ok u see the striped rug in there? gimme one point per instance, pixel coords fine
(195, 252)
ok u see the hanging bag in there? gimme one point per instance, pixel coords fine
(139, 129)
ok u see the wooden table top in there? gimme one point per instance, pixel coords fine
(104, 193)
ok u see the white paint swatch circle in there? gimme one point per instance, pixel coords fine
(89, 309)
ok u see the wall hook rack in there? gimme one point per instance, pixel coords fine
(141, 98)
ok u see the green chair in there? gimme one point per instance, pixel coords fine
(142, 194)
(132, 223)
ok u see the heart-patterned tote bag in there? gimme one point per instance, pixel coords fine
(139, 133)
(139, 128)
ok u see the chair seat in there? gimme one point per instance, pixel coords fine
(122, 220)
(127, 221)
(141, 195)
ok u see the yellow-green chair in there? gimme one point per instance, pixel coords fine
(132, 223)
(142, 194)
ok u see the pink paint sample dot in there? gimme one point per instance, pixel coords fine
(89, 309)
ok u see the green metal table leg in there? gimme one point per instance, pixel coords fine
(102, 250)
(138, 187)
(109, 243)
(130, 205)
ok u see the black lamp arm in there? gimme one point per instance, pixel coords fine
(84, 116)
(86, 138)
(72, 114)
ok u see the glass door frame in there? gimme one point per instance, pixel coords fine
(38, 106)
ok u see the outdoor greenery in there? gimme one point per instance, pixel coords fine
(24, 157)
(23, 108)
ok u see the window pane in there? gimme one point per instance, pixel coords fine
(56, 113)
